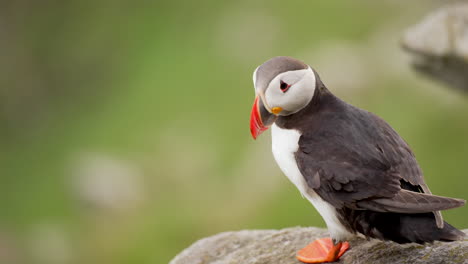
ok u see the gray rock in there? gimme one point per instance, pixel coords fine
(280, 246)
(439, 45)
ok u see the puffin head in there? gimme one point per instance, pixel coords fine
(283, 86)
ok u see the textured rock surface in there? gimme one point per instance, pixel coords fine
(280, 246)
(439, 45)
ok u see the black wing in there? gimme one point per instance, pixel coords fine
(355, 159)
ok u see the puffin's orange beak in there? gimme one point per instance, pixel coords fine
(260, 118)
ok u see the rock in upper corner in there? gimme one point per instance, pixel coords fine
(280, 246)
(439, 45)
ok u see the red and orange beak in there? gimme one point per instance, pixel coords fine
(260, 118)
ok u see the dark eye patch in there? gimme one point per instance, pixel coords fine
(284, 86)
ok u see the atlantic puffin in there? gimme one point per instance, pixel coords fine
(359, 174)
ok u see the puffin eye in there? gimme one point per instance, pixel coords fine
(284, 86)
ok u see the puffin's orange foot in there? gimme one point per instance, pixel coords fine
(322, 250)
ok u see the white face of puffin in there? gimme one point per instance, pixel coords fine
(289, 91)
(283, 86)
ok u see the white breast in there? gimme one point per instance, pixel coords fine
(285, 143)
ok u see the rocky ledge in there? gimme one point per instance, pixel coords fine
(280, 246)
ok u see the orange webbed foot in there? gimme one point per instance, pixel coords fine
(322, 250)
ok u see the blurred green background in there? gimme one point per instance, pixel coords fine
(124, 124)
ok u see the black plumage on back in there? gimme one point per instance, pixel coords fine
(356, 162)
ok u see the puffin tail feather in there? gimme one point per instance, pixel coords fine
(402, 227)
(422, 228)
(450, 233)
